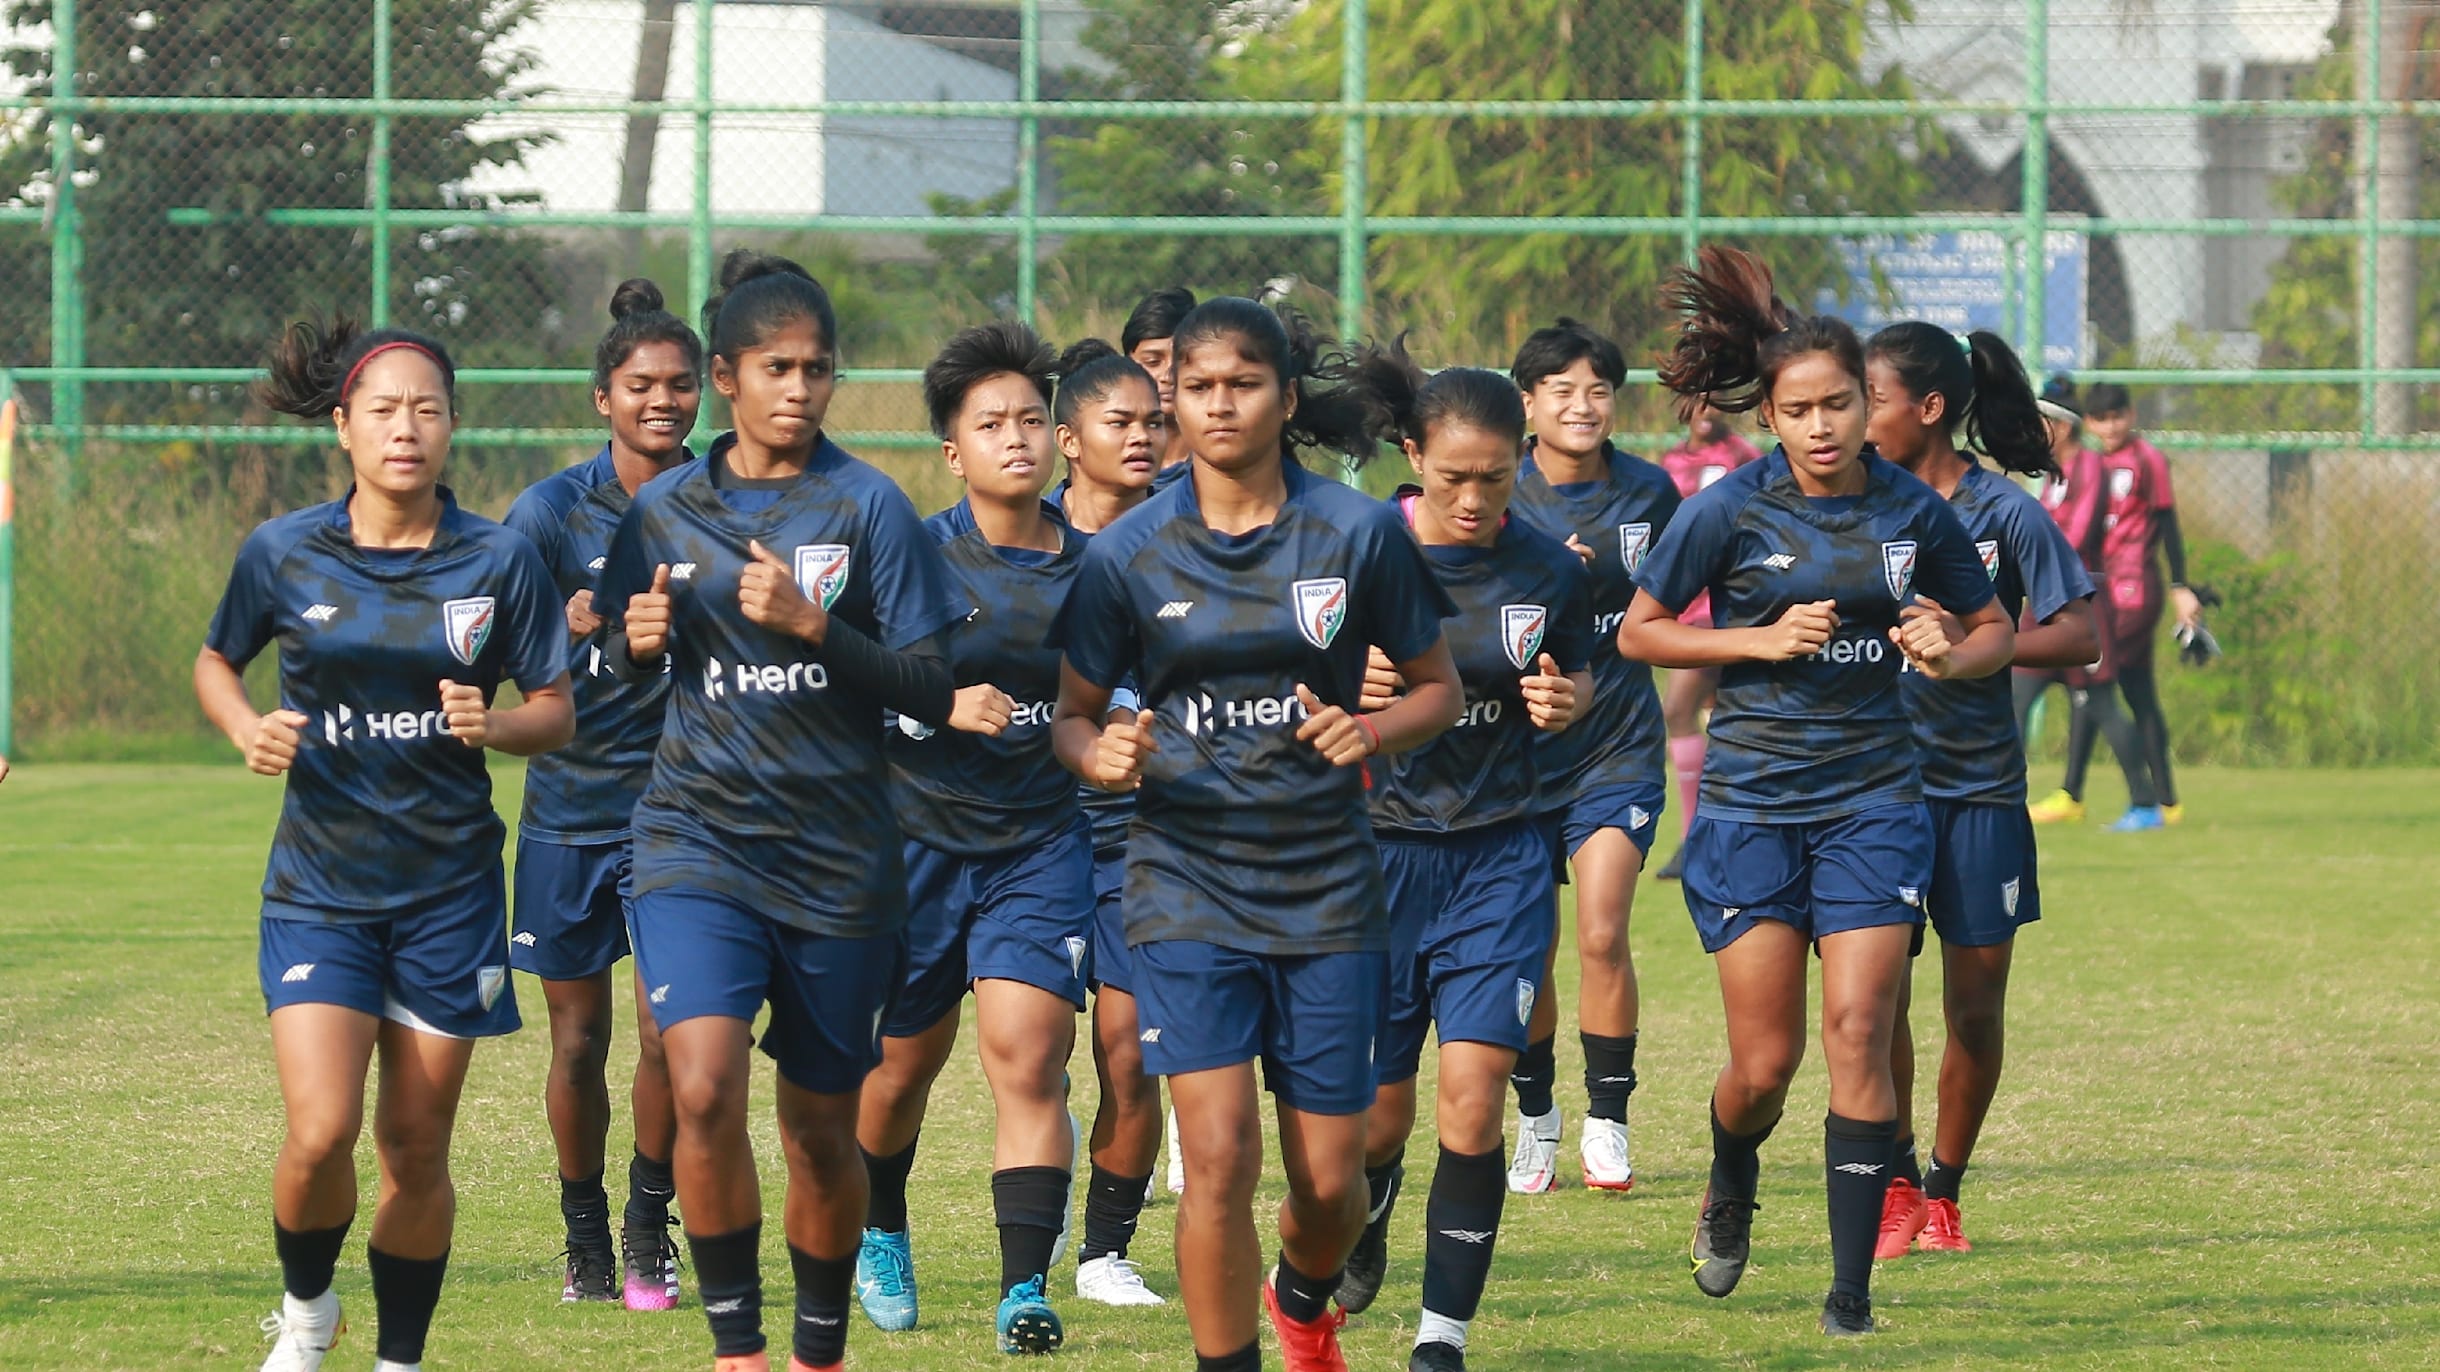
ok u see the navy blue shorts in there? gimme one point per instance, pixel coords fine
(440, 967)
(1023, 916)
(1983, 882)
(1314, 1021)
(704, 954)
(1110, 964)
(1472, 916)
(1824, 878)
(1634, 810)
(570, 917)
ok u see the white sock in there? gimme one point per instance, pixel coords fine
(385, 1365)
(320, 1310)
(1435, 1327)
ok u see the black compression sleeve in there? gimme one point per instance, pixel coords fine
(623, 665)
(916, 683)
(2172, 546)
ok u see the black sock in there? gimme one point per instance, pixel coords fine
(1855, 1168)
(1381, 1186)
(1907, 1168)
(650, 1189)
(1940, 1183)
(1112, 1205)
(1461, 1225)
(308, 1257)
(886, 1207)
(1537, 1070)
(1303, 1298)
(728, 1279)
(405, 1293)
(1027, 1202)
(821, 1305)
(1609, 1075)
(1246, 1359)
(1736, 1160)
(586, 1208)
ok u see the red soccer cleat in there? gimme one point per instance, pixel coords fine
(797, 1364)
(1306, 1347)
(1902, 1217)
(1943, 1229)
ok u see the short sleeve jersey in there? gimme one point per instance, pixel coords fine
(770, 786)
(2073, 497)
(2137, 478)
(585, 792)
(1971, 750)
(1109, 812)
(1274, 851)
(976, 795)
(385, 810)
(1825, 735)
(1523, 596)
(1619, 741)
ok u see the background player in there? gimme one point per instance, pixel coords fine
(572, 855)
(2072, 493)
(1243, 598)
(384, 920)
(1711, 450)
(1146, 338)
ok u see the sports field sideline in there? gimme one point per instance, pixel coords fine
(2218, 1142)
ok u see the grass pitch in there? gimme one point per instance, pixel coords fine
(2218, 1143)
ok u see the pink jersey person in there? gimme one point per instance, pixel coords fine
(1710, 451)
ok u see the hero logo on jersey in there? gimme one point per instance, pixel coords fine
(821, 571)
(466, 624)
(1634, 540)
(1321, 608)
(1898, 565)
(1989, 548)
(1521, 629)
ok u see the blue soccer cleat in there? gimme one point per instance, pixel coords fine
(1027, 1322)
(2139, 819)
(885, 1279)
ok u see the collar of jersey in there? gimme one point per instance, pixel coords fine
(602, 470)
(1780, 476)
(1609, 465)
(341, 537)
(1292, 475)
(961, 519)
(705, 493)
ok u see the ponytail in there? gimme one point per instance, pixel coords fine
(1736, 335)
(1402, 403)
(638, 316)
(1983, 389)
(312, 368)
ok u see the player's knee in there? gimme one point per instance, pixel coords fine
(1026, 1070)
(580, 1049)
(1223, 1159)
(323, 1139)
(1979, 1029)
(1766, 1071)
(708, 1097)
(1601, 940)
(1855, 1032)
(414, 1154)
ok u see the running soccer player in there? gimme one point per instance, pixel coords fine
(999, 859)
(1712, 450)
(796, 596)
(1925, 390)
(1605, 781)
(1243, 599)
(1111, 429)
(1148, 338)
(1813, 831)
(2074, 497)
(572, 858)
(384, 923)
(1465, 855)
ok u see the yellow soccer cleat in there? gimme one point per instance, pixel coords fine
(2056, 808)
(2173, 814)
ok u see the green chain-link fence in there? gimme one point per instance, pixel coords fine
(2230, 201)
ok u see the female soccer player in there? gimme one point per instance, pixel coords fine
(1604, 781)
(796, 597)
(1925, 390)
(1148, 338)
(1464, 853)
(1111, 429)
(999, 859)
(2073, 494)
(572, 857)
(1242, 599)
(1813, 830)
(384, 923)
(1712, 450)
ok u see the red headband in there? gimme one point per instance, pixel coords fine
(349, 382)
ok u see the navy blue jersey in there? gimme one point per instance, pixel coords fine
(1619, 741)
(1217, 632)
(1826, 735)
(585, 792)
(770, 787)
(1525, 595)
(384, 810)
(1109, 812)
(971, 794)
(1971, 750)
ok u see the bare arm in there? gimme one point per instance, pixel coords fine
(1651, 633)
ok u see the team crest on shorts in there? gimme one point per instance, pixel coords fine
(1634, 540)
(1525, 995)
(1075, 947)
(1638, 817)
(1898, 565)
(1989, 548)
(466, 624)
(1521, 629)
(1321, 608)
(2008, 893)
(489, 982)
(821, 571)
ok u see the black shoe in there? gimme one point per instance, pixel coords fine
(1723, 1239)
(1675, 868)
(1368, 1266)
(1436, 1357)
(592, 1272)
(1843, 1314)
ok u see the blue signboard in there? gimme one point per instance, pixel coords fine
(1961, 282)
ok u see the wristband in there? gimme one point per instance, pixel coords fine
(1372, 729)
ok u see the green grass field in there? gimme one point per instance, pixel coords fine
(2218, 1143)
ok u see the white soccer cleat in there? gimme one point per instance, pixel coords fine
(385, 1365)
(1534, 1168)
(1604, 1152)
(1177, 1159)
(1067, 1208)
(1112, 1280)
(305, 1331)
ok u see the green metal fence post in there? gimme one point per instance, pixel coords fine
(2368, 210)
(8, 561)
(380, 188)
(1029, 142)
(699, 232)
(2030, 319)
(1353, 58)
(1690, 163)
(67, 242)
